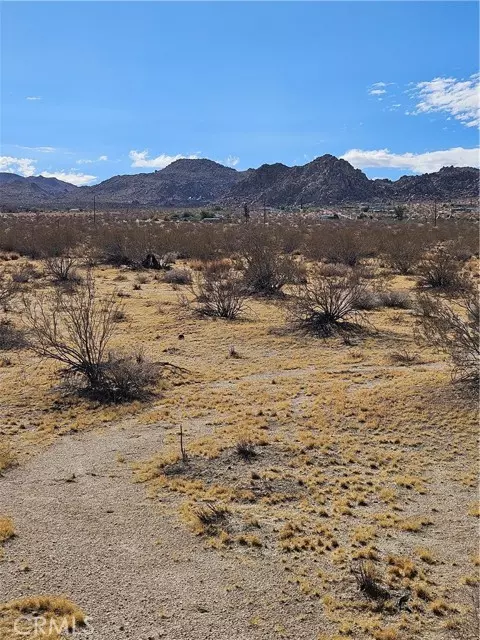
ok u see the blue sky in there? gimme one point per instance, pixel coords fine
(95, 89)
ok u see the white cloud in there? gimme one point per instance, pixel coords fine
(99, 159)
(26, 168)
(141, 159)
(78, 179)
(23, 166)
(231, 161)
(458, 98)
(33, 98)
(37, 149)
(378, 88)
(416, 162)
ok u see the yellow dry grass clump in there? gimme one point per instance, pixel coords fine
(40, 616)
(7, 531)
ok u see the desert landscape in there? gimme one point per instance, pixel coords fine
(279, 439)
(239, 320)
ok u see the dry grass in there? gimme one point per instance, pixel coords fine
(36, 616)
(7, 457)
(7, 531)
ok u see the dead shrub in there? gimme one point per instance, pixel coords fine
(369, 583)
(367, 300)
(7, 457)
(326, 305)
(62, 269)
(26, 273)
(246, 450)
(333, 270)
(73, 329)
(403, 357)
(440, 326)
(347, 247)
(141, 278)
(233, 353)
(211, 515)
(221, 294)
(120, 316)
(210, 265)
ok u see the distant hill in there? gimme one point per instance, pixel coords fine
(182, 183)
(326, 180)
(35, 184)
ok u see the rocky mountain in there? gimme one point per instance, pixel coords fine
(33, 187)
(183, 183)
(326, 180)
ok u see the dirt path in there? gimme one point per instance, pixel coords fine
(136, 572)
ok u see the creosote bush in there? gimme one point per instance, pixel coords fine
(457, 333)
(127, 377)
(394, 299)
(266, 270)
(440, 270)
(11, 337)
(220, 293)
(62, 269)
(178, 276)
(403, 250)
(325, 305)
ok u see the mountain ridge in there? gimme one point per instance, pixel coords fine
(326, 180)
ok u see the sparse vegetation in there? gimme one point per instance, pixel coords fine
(11, 337)
(304, 455)
(8, 290)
